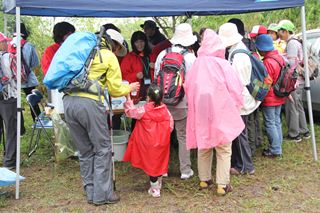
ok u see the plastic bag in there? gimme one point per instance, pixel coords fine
(63, 141)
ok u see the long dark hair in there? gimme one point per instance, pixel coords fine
(155, 93)
(139, 35)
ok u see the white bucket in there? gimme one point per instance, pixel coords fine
(120, 141)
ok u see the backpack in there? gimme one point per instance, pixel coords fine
(286, 81)
(313, 60)
(8, 79)
(70, 66)
(25, 69)
(69, 60)
(171, 76)
(260, 80)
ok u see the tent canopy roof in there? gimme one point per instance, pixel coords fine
(143, 8)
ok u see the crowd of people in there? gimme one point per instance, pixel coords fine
(217, 111)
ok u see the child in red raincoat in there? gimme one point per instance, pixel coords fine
(149, 144)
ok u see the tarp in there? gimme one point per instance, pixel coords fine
(8, 177)
(143, 8)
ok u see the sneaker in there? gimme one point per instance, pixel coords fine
(224, 189)
(205, 184)
(296, 139)
(185, 176)
(306, 135)
(234, 171)
(111, 200)
(154, 189)
(165, 175)
(268, 153)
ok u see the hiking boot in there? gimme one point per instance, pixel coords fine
(154, 189)
(114, 198)
(268, 153)
(224, 189)
(205, 184)
(185, 176)
(306, 135)
(296, 139)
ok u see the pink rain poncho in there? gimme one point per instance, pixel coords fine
(214, 93)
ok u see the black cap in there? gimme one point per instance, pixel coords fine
(149, 24)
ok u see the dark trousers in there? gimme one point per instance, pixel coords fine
(8, 112)
(241, 158)
(255, 137)
(153, 179)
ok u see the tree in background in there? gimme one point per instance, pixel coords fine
(41, 28)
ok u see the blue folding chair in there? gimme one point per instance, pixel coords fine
(42, 123)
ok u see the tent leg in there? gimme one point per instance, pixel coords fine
(307, 82)
(18, 99)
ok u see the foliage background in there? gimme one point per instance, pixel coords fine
(41, 28)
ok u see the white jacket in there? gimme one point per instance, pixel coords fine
(242, 64)
(189, 58)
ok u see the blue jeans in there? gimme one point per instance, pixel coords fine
(272, 121)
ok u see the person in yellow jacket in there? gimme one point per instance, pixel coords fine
(86, 117)
(279, 44)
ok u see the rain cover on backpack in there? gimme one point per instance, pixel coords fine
(70, 59)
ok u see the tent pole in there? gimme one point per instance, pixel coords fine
(307, 81)
(5, 20)
(18, 30)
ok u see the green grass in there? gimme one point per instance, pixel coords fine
(290, 184)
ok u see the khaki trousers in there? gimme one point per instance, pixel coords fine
(223, 154)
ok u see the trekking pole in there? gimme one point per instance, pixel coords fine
(3, 137)
(112, 148)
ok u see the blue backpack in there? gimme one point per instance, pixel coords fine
(260, 81)
(69, 61)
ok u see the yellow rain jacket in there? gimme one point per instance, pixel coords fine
(109, 74)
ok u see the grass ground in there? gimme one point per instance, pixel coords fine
(290, 184)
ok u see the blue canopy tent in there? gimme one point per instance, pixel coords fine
(145, 8)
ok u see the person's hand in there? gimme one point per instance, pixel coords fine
(291, 98)
(151, 65)
(136, 100)
(134, 86)
(139, 75)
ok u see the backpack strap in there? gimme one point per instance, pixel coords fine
(168, 50)
(281, 65)
(183, 52)
(239, 51)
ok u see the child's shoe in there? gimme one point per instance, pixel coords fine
(224, 189)
(154, 189)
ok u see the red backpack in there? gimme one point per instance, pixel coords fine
(25, 70)
(286, 81)
(172, 76)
